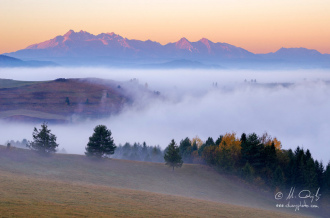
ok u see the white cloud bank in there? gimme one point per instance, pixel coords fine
(297, 115)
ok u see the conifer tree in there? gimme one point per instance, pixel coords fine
(210, 142)
(172, 155)
(100, 143)
(248, 172)
(185, 149)
(43, 140)
(326, 179)
(278, 179)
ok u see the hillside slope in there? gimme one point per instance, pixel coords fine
(31, 197)
(60, 99)
(45, 180)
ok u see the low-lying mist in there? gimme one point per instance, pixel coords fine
(290, 105)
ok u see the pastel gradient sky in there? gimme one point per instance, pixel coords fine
(259, 26)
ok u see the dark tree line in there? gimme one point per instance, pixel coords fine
(139, 152)
(259, 159)
(19, 144)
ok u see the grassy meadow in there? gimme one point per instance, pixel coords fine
(32, 185)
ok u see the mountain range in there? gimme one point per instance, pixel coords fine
(110, 49)
(6, 61)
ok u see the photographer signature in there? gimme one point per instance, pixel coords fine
(303, 195)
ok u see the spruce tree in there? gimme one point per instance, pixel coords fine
(43, 140)
(185, 149)
(278, 179)
(248, 172)
(326, 179)
(100, 143)
(219, 140)
(210, 142)
(172, 155)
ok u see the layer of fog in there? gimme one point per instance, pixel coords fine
(297, 115)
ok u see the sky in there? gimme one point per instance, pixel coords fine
(260, 26)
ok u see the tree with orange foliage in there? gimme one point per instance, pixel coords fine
(267, 140)
(229, 151)
(197, 141)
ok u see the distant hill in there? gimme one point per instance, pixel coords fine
(74, 185)
(302, 57)
(109, 49)
(6, 61)
(179, 64)
(59, 100)
(297, 54)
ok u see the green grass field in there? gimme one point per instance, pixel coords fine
(72, 185)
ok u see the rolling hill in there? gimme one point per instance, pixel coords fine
(73, 185)
(62, 99)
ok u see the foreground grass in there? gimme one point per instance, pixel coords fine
(71, 185)
(31, 197)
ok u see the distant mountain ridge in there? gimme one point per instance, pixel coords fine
(82, 44)
(112, 49)
(6, 61)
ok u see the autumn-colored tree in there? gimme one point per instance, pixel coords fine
(197, 141)
(231, 142)
(209, 142)
(267, 140)
(229, 151)
(277, 143)
(261, 160)
(209, 155)
(196, 144)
